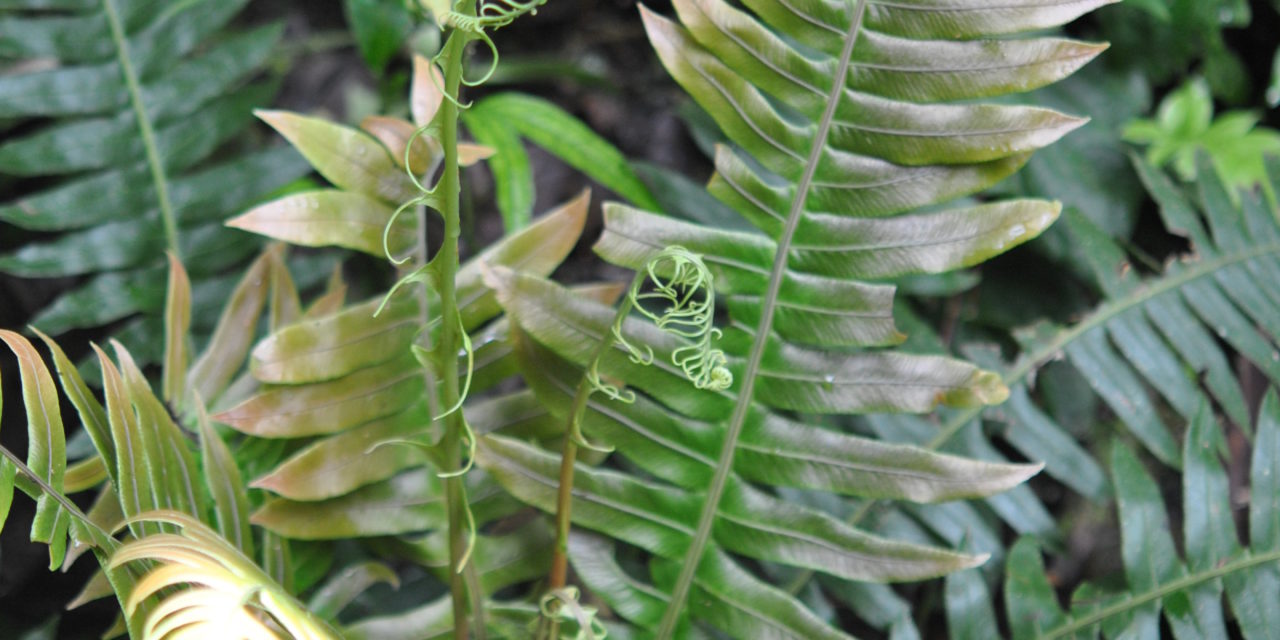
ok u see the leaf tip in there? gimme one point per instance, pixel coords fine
(269, 482)
(1028, 471)
(233, 417)
(40, 334)
(978, 560)
(240, 222)
(272, 117)
(988, 388)
(576, 209)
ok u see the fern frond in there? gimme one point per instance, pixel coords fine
(845, 117)
(141, 453)
(115, 152)
(1165, 334)
(340, 388)
(1187, 588)
(1151, 343)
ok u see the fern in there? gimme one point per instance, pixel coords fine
(826, 171)
(1166, 334)
(1188, 590)
(339, 390)
(191, 517)
(1151, 350)
(143, 460)
(125, 110)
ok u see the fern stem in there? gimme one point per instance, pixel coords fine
(549, 628)
(777, 274)
(158, 176)
(564, 496)
(564, 499)
(446, 351)
(1133, 602)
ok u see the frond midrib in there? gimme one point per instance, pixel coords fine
(1134, 601)
(145, 128)
(724, 464)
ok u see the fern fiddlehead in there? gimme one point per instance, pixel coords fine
(691, 301)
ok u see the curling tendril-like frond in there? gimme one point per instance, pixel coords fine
(208, 588)
(684, 283)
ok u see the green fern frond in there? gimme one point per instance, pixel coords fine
(1159, 341)
(1151, 350)
(845, 117)
(123, 108)
(339, 386)
(1185, 589)
(143, 462)
(143, 459)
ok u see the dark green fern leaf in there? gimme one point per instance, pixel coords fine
(1185, 588)
(123, 118)
(1157, 342)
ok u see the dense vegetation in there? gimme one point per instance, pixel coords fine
(803, 319)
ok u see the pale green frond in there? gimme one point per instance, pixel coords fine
(208, 588)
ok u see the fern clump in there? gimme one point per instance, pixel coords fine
(128, 146)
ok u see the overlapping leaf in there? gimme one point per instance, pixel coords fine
(122, 129)
(349, 376)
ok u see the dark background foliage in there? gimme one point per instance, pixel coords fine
(592, 58)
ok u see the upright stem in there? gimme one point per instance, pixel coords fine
(549, 629)
(568, 456)
(446, 351)
(564, 499)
